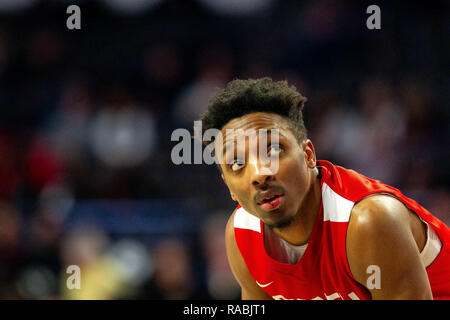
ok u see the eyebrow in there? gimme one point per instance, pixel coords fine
(229, 143)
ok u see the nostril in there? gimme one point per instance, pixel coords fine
(261, 180)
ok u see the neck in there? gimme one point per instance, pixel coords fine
(300, 230)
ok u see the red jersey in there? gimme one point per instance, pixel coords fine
(323, 271)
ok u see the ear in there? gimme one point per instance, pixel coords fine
(231, 193)
(310, 153)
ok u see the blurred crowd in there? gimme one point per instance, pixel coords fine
(86, 119)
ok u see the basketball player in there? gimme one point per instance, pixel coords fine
(314, 230)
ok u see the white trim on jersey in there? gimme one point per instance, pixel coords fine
(432, 247)
(335, 207)
(245, 220)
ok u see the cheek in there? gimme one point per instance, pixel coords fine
(238, 192)
(295, 174)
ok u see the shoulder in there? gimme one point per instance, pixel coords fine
(381, 213)
(380, 234)
(235, 259)
(229, 229)
(238, 266)
(378, 212)
(376, 220)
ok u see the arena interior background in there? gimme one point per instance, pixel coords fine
(86, 118)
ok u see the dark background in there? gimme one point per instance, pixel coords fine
(86, 117)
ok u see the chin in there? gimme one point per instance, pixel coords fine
(284, 223)
(280, 222)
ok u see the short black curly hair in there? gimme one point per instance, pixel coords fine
(241, 97)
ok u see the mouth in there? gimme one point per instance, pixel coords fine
(271, 203)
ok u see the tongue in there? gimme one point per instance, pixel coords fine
(271, 204)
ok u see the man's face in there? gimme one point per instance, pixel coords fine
(273, 196)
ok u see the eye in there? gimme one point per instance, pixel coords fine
(237, 164)
(274, 149)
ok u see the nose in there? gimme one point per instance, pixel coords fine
(261, 174)
(261, 180)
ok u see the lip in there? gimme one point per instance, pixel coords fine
(267, 194)
(272, 204)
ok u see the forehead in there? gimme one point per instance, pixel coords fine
(259, 120)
